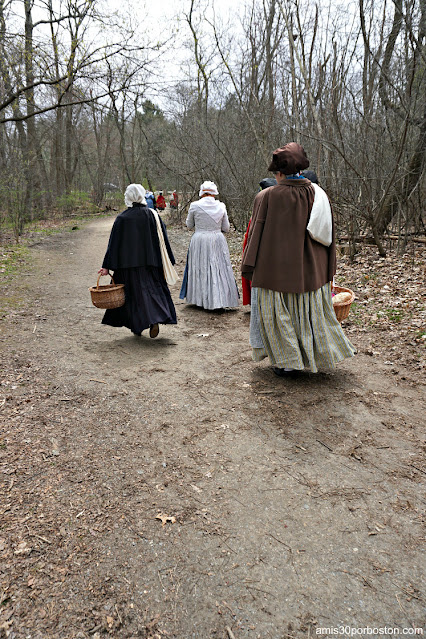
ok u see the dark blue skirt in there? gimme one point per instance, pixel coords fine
(148, 300)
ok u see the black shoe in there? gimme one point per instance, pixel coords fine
(137, 334)
(281, 372)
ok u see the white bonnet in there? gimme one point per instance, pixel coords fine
(134, 193)
(208, 187)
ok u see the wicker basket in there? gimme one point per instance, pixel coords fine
(107, 296)
(342, 308)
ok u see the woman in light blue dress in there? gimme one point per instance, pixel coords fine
(209, 280)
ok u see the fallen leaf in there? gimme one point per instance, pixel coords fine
(165, 518)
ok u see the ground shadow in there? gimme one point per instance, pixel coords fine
(330, 380)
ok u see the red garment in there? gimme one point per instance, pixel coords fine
(174, 201)
(246, 284)
(161, 202)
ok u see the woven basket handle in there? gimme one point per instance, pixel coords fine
(99, 277)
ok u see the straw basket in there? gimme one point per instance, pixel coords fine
(108, 295)
(342, 308)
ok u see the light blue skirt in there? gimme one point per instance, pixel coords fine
(297, 330)
(209, 280)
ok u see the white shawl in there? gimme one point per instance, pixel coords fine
(169, 270)
(212, 207)
(320, 226)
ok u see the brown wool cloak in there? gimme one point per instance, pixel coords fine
(280, 254)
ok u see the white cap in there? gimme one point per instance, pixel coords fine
(208, 187)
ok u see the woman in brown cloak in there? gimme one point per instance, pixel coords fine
(292, 317)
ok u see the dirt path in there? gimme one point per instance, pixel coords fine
(297, 503)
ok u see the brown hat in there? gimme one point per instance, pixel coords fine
(290, 159)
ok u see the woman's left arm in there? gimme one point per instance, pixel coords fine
(225, 222)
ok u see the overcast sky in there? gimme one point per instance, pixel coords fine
(165, 10)
(165, 18)
(163, 14)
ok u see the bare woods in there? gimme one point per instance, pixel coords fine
(90, 101)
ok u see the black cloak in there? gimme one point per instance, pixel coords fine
(134, 240)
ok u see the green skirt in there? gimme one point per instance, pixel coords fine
(297, 330)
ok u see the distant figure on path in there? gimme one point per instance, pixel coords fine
(161, 202)
(139, 253)
(150, 200)
(311, 175)
(209, 280)
(174, 200)
(292, 317)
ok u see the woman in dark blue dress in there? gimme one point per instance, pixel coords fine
(134, 254)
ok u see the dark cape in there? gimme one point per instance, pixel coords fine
(134, 240)
(134, 255)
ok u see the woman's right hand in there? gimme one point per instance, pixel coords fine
(103, 271)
